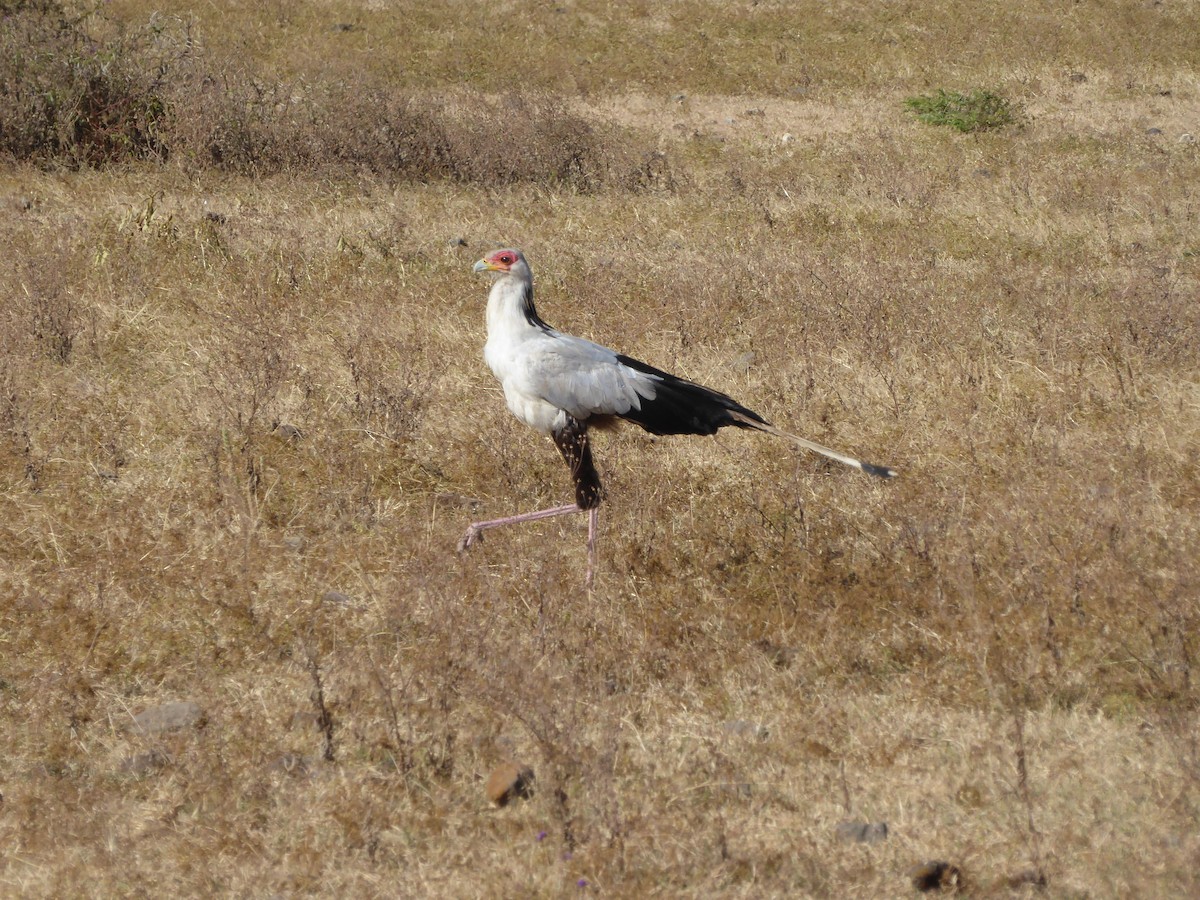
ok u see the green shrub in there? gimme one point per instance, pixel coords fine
(979, 110)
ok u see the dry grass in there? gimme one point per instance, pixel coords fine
(992, 653)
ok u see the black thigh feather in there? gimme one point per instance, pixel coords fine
(572, 443)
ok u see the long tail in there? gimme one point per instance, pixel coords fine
(881, 471)
(684, 407)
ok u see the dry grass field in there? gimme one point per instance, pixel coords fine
(244, 419)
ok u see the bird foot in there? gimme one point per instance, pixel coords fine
(474, 534)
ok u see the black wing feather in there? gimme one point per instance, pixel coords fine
(684, 407)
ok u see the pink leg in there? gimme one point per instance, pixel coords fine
(593, 529)
(475, 531)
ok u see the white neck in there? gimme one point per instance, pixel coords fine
(510, 307)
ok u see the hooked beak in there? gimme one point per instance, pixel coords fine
(484, 266)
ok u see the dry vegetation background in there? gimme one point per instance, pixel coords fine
(244, 419)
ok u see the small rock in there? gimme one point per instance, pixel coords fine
(144, 763)
(742, 362)
(337, 598)
(742, 728)
(1187, 138)
(289, 432)
(509, 781)
(679, 98)
(936, 875)
(1078, 77)
(294, 542)
(1153, 131)
(969, 796)
(168, 717)
(449, 498)
(1033, 877)
(740, 790)
(343, 26)
(862, 832)
(215, 218)
(304, 719)
(290, 764)
(816, 749)
(780, 657)
(458, 242)
(787, 138)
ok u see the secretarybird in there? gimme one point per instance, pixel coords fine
(562, 385)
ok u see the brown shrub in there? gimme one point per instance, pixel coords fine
(74, 99)
(244, 123)
(67, 97)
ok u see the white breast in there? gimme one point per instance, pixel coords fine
(548, 375)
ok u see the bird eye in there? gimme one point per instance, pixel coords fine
(505, 258)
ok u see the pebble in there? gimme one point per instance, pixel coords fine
(742, 728)
(144, 763)
(304, 719)
(172, 716)
(816, 749)
(509, 781)
(337, 598)
(288, 432)
(290, 764)
(742, 362)
(449, 498)
(1032, 877)
(862, 832)
(969, 796)
(780, 657)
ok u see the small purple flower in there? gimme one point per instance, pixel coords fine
(582, 882)
(541, 836)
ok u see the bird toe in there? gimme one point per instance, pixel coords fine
(472, 536)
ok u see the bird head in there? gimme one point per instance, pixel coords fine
(504, 262)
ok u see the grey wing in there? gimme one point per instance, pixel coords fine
(585, 378)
